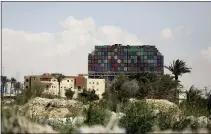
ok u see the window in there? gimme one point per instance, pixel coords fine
(26, 86)
(79, 88)
(27, 80)
(52, 86)
(71, 80)
(89, 82)
(97, 89)
(68, 81)
(93, 83)
(97, 83)
(61, 87)
(64, 87)
(47, 86)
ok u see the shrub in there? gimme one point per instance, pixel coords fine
(138, 119)
(181, 125)
(63, 127)
(88, 96)
(69, 93)
(165, 121)
(50, 96)
(96, 114)
(34, 91)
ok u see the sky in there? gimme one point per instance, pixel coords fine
(39, 37)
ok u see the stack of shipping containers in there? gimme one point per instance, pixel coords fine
(128, 59)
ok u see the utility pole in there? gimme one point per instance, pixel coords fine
(2, 74)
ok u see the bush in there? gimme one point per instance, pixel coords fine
(96, 114)
(34, 91)
(88, 96)
(138, 119)
(181, 125)
(63, 127)
(165, 121)
(69, 93)
(50, 96)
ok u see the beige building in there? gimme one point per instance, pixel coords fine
(96, 84)
(76, 83)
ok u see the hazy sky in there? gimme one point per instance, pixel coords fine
(50, 37)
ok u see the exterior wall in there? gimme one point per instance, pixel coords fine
(66, 84)
(29, 81)
(96, 84)
(77, 84)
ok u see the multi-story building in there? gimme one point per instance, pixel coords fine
(108, 61)
(75, 83)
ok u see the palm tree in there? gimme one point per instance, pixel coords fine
(4, 81)
(193, 94)
(59, 78)
(17, 86)
(12, 82)
(178, 68)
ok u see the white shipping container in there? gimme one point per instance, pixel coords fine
(119, 61)
(109, 57)
(125, 68)
(115, 57)
(105, 61)
(102, 65)
(145, 57)
(129, 61)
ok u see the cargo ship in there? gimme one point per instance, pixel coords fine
(109, 61)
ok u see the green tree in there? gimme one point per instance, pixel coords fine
(88, 96)
(164, 88)
(138, 119)
(4, 81)
(195, 103)
(116, 87)
(35, 91)
(17, 87)
(177, 68)
(12, 82)
(69, 93)
(193, 94)
(96, 115)
(59, 78)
